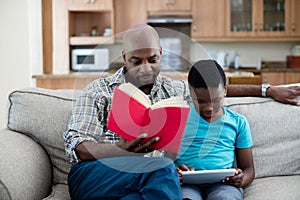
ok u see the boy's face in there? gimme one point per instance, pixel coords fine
(208, 102)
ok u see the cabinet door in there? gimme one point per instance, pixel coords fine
(206, 23)
(258, 18)
(273, 78)
(292, 77)
(169, 5)
(240, 17)
(295, 17)
(129, 13)
(90, 5)
(272, 18)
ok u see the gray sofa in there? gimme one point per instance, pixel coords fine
(33, 164)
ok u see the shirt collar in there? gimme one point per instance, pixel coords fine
(118, 78)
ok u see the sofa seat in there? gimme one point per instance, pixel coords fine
(34, 166)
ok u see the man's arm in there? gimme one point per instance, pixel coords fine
(280, 94)
(91, 150)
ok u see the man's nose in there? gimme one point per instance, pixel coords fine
(145, 68)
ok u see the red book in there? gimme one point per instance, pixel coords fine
(132, 114)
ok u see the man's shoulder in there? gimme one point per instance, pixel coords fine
(164, 80)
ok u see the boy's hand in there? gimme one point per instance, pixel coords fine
(236, 180)
(181, 168)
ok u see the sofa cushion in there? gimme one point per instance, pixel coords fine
(275, 132)
(25, 169)
(44, 115)
(59, 192)
(274, 188)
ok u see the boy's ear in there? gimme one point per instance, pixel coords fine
(225, 90)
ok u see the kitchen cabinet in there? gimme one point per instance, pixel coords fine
(129, 13)
(258, 18)
(263, 18)
(90, 5)
(273, 78)
(295, 18)
(206, 23)
(292, 77)
(169, 5)
(73, 23)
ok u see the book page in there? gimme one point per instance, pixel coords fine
(171, 102)
(135, 93)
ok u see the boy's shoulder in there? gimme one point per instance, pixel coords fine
(233, 114)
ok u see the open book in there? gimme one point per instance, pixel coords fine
(132, 114)
(206, 176)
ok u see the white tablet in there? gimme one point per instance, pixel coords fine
(206, 176)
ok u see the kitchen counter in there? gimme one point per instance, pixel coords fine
(78, 80)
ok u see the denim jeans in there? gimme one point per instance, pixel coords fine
(216, 191)
(126, 178)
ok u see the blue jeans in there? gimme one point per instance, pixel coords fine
(126, 178)
(216, 191)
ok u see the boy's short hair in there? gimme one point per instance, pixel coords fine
(206, 73)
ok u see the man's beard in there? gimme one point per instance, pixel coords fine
(136, 81)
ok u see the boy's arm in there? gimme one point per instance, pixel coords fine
(245, 172)
(280, 94)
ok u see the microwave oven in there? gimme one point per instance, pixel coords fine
(90, 59)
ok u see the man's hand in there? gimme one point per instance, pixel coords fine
(137, 145)
(284, 94)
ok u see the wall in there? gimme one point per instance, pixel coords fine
(16, 49)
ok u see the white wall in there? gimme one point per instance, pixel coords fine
(15, 48)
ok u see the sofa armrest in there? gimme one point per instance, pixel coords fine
(25, 168)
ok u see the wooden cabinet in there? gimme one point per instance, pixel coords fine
(206, 23)
(72, 24)
(257, 18)
(90, 5)
(129, 13)
(262, 18)
(295, 18)
(169, 5)
(292, 77)
(273, 78)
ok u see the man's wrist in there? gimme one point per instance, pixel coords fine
(264, 88)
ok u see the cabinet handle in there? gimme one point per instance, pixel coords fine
(166, 2)
(86, 1)
(92, 1)
(293, 27)
(255, 27)
(261, 27)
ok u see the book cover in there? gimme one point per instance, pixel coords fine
(132, 114)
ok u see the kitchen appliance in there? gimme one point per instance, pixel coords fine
(179, 23)
(90, 59)
(174, 32)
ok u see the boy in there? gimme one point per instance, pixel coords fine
(214, 135)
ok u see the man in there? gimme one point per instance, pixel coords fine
(109, 167)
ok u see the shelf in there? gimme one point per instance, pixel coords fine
(92, 40)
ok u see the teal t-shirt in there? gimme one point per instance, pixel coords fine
(212, 145)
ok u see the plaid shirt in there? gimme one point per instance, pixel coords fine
(90, 113)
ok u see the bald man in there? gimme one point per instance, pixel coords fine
(105, 165)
